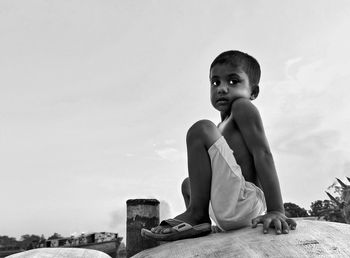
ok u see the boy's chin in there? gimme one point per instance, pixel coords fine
(223, 109)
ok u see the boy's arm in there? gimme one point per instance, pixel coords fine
(249, 122)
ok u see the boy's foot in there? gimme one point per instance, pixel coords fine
(175, 229)
(188, 217)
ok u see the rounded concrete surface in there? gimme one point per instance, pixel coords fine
(60, 253)
(310, 239)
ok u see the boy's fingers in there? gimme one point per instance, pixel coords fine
(256, 221)
(266, 226)
(292, 223)
(285, 227)
(277, 224)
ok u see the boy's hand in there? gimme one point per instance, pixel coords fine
(275, 219)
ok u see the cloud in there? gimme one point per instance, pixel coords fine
(168, 153)
(347, 168)
(169, 141)
(310, 107)
(129, 155)
(118, 221)
(307, 124)
(164, 210)
(289, 65)
(309, 142)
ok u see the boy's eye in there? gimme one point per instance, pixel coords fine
(233, 82)
(215, 83)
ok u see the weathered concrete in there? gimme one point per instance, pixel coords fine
(60, 253)
(310, 239)
(141, 213)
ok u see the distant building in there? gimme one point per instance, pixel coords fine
(106, 242)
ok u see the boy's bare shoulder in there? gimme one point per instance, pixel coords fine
(247, 118)
(244, 108)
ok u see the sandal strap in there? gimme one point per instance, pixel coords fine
(176, 224)
(182, 227)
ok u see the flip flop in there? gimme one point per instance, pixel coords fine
(182, 229)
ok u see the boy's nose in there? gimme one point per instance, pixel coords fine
(223, 88)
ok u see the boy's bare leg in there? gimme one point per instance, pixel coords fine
(199, 138)
(186, 194)
(186, 191)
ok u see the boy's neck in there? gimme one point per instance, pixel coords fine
(224, 115)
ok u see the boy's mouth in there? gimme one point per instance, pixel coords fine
(221, 101)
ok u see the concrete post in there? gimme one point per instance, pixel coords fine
(141, 213)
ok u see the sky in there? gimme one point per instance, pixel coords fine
(96, 98)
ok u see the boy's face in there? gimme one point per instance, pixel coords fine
(228, 82)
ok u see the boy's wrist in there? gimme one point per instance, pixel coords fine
(276, 210)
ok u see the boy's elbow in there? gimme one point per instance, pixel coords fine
(267, 152)
(263, 153)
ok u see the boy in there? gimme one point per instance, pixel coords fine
(230, 166)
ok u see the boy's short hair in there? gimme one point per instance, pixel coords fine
(249, 64)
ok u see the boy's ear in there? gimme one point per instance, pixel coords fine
(255, 92)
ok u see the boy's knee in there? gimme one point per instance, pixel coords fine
(199, 128)
(203, 130)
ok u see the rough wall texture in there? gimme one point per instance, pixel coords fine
(141, 213)
(310, 239)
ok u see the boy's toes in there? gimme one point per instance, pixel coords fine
(155, 230)
(158, 230)
(166, 231)
(161, 230)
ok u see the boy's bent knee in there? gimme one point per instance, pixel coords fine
(201, 127)
(205, 131)
(204, 123)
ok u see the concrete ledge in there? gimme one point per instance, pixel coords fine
(60, 253)
(310, 239)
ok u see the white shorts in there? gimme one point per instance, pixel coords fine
(234, 202)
